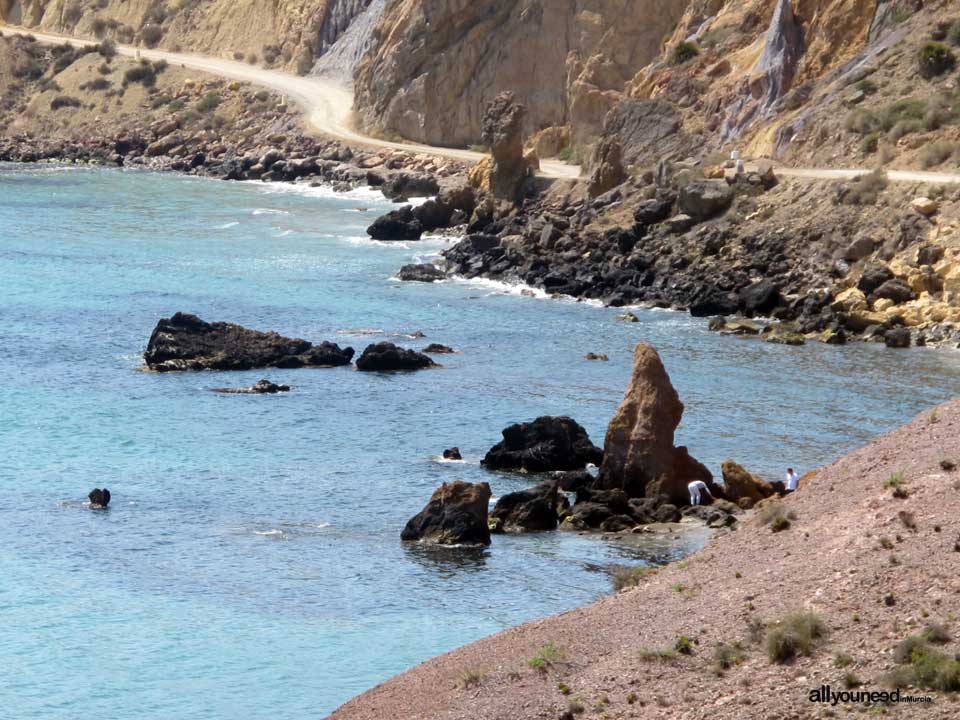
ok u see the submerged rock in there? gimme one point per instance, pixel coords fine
(99, 499)
(547, 443)
(438, 349)
(185, 342)
(639, 455)
(385, 356)
(264, 387)
(452, 454)
(455, 515)
(532, 510)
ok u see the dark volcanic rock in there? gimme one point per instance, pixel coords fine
(424, 272)
(185, 342)
(438, 349)
(653, 211)
(533, 510)
(99, 499)
(760, 298)
(455, 515)
(897, 338)
(547, 443)
(399, 224)
(387, 356)
(402, 186)
(896, 290)
(264, 387)
(873, 277)
(452, 454)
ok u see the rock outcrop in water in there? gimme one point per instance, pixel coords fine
(263, 387)
(185, 342)
(99, 499)
(639, 456)
(455, 515)
(385, 356)
(399, 224)
(547, 443)
(742, 487)
(532, 510)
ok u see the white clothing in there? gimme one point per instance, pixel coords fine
(792, 480)
(696, 488)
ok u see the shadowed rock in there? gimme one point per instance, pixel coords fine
(532, 510)
(387, 356)
(399, 224)
(99, 499)
(264, 387)
(438, 349)
(185, 342)
(455, 515)
(547, 443)
(639, 455)
(452, 454)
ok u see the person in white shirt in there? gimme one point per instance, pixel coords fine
(792, 480)
(697, 489)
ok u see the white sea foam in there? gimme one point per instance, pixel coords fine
(269, 533)
(269, 211)
(226, 226)
(360, 331)
(320, 191)
(447, 461)
(285, 233)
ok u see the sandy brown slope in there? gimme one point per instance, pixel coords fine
(832, 560)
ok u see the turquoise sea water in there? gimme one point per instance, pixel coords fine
(250, 565)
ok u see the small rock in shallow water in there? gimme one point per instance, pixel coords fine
(627, 317)
(596, 356)
(387, 356)
(438, 349)
(452, 454)
(264, 387)
(99, 499)
(424, 272)
(547, 443)
(455, 515)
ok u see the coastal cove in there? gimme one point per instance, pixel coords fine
(250, 564)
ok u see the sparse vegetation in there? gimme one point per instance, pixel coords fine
(935, 59)
(886, 543)
(865, 189)
(726, 656)
(924, 667)
(842, 660)
(850, 680)
(795, 635)
(142, 73)
(575, 707)
(548, 656)
(684, 52)
(953, 34)
(684, 645)
(151, 34)
(64, 101)
(777, 517)
(870, 143)
(937, 634)
(627, 577)
(471, 677)
(908, 519)
(209, 102)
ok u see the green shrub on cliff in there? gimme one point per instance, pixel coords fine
(627, 577)
(935, 59)
(953, 34)
(209, 102)
(142, 73)
(63, 101)
(683, 52)
(548, 656)
(924, 667)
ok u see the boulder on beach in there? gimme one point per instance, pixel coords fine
(547, 443)
(385, 356)
(532, 510)
(264, 387)
(742, 487)
(99, 499)
(399, 224)
(185, 342)
(639, 456)
(455, 515)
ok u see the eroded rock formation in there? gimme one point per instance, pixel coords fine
(639, 456)
(385, 357)
(532, 510)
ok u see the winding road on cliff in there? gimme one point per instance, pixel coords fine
(327, 109)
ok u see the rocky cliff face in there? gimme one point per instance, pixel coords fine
(284, 33)
(435, 64)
